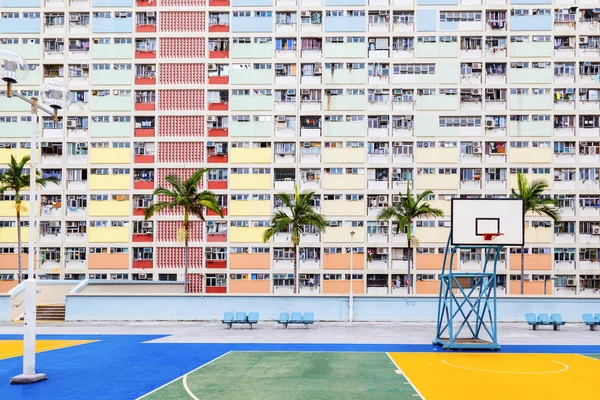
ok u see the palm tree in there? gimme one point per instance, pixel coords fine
(14, 180)
(185, 195)
(404, 213)
(534, 202)
(299, 213)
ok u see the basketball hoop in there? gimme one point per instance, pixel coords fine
(491, 236)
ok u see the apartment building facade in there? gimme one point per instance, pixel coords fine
(354, 99)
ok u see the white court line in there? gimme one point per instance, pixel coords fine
(565, 367)
(184, 376)
(406, 377)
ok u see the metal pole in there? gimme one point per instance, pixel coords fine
(351, 302)
(29, 374)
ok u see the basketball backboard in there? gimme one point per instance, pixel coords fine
(474, 219)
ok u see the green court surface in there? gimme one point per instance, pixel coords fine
(291, 376)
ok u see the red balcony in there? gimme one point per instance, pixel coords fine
(145, 80)
(210, 213)
(139, 211)
(145, 54)
(216, 237)
(218, 80)
(218, 159)
(218, 132)
(145, 106)
(142, 237)
(145, 28)
(216, 263)
(146, 3)
(142, 263)
(216, 289)
(218, 3)
(143, 185)
(218, 54)
(144, 132)
(217, 185)
(218, 106)
(143, 159)
(219, 28)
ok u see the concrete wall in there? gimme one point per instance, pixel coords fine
(124, 288)
(48, 292)
(82, 307)
(5, 306)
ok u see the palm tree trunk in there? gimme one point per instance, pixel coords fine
(523, 270)
(186, 256)
(409, 266)
(19, 242)
(295, 269)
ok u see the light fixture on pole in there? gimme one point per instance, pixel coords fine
(56, 96)
(351, 301)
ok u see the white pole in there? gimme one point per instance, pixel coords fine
(29, 375)
(351, 302)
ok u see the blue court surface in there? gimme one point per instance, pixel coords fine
(127, 367)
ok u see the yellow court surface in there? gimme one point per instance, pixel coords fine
(500, 376)
(14, 348)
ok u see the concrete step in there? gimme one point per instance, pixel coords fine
(50, 312)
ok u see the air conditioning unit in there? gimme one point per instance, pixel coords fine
(381, 198)
(150, 14)
(68, 276)
(210, 223)
(115, 92)
(291, 92)
(382, 250)
(477, 150)
(142, 276)
(382, 12)
(278, 66)
(212, 67)
(395, 198)
(305, 14)
(281, 118)
(147, 224)
(595, 229)
(583, 39)
(210, 144)
(211, 118)
(526, 277)
(60, 40)
(398, 91)
(71, 123)
(571, 282)
(477, 65)
(74, 18)
(382, 223)
(318, 71)
(476, 92)
(304, 92)
(384, 118)
(489, 122)
(306, 144)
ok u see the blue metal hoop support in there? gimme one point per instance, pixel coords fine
(468, 300)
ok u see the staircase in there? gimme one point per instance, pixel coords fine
(50, 312)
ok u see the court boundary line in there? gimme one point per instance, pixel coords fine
(183, 376)
(566, 368)
(405, 376)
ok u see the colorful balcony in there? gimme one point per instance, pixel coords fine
(146, 3)
(218, 3)
(342, 261)
(218, 27)
(108, 234)
(220, 106)
(343, 286)
(238, 234)
(108, 261)
(143, 159)
(218, 185)
(250, 182)
(145, 106)
(143, 185)
(218, 54)
(218, 80)
(531, 287)
(145, 28)
(142, 264)
(7, 208)
(110, 156)
(210, 213)
(216, 237)
(217, 158)
(216, 289)
(110, 182)
(254, 286)
(533, 262)
(218, 132)
(110, 208)
(145, 80)
(251, 156)
(248, 208)
(11, 261)
(431, 262)
(427, 287)
(142, 237)
(249, 261)
(216, 264)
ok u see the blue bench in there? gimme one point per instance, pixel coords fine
(555, 320)
(296, 319)
(591, 321)
(240, 318)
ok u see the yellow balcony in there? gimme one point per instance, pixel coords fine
(443, 205)
(111, 208)
(111, 234)
(110, 156)
(241, 234)
(432, 235)
(436, 182)
(344, 207)
(250, 156)
(344, 182)
(110, 182)
(250, 181)
(9, 235)
(513, 179)
(343, 155)
(539, 235)
(342, 235)
(531, 155)
(246, 208)
(7, 209)
(18, 153)
(437, 155)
